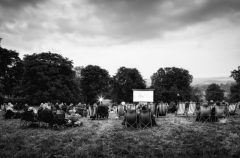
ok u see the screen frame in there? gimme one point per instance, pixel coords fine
(149, 101)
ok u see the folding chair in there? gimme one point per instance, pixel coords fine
(90, 111)
(162, 109)
(28, 117)
(120, 111)
(93, 111)
(205, 113)
(220, 111)
(181, 109)
(59, 117)
(145, 119)
(131, 119)
(232, 109)
(191, 109)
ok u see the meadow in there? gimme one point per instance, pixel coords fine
(172, 137)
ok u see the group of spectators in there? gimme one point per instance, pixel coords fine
(213, 111)
(205, 111)
(46, 112)
(134, 114)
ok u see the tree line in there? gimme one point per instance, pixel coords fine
(50, 77)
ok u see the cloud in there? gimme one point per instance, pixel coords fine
(112, 33)
(16, 4)
(16, 14)
(144, 19)
(107, 20)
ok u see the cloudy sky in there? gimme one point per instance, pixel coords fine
(199, 35)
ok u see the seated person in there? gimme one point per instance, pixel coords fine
(186, 107)
(202, 114)
(220, 110)
(144, 108)
(213, 113)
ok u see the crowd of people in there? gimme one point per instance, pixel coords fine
(70, 114)
(204, 111)
(213, 111)
(47, 112)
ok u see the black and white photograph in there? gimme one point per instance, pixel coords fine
(120, 79)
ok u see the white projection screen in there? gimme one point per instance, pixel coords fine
(143, 95)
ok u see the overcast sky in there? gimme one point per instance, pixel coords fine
(202, 36)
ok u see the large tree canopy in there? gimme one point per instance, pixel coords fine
(196, 94)
(78, 70)
(11, 70)
(94, 82)
(49, 77)
(236, 75)
(214, 92)
(235, 93)
(124, 81)
(171, 84)
(235, 88)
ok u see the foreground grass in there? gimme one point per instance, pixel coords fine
(173, 137)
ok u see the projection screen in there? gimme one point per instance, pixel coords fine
(143, 95)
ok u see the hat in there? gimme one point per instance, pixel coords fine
(123, 103)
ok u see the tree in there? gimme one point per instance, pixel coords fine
(1, 94)
(196, 94)
(235, 93)
(124, 81)
(78, 70)
(214, 92)
(235, 88)
(236, 75)
(171, 84)
(49, 77)
(94, 82)
(11, 70)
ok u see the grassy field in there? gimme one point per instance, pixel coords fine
(173, 137)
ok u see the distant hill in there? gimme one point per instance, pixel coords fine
(210, 80)
(204, 81)
(224, 82)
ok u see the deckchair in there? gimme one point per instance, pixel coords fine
(205, 113)
(162, 109)
(181, 109)
(131, 119)
(145, 119)
(191, 109)
(92, 111)
(220, 111)
(232, 109)
(120, 111)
